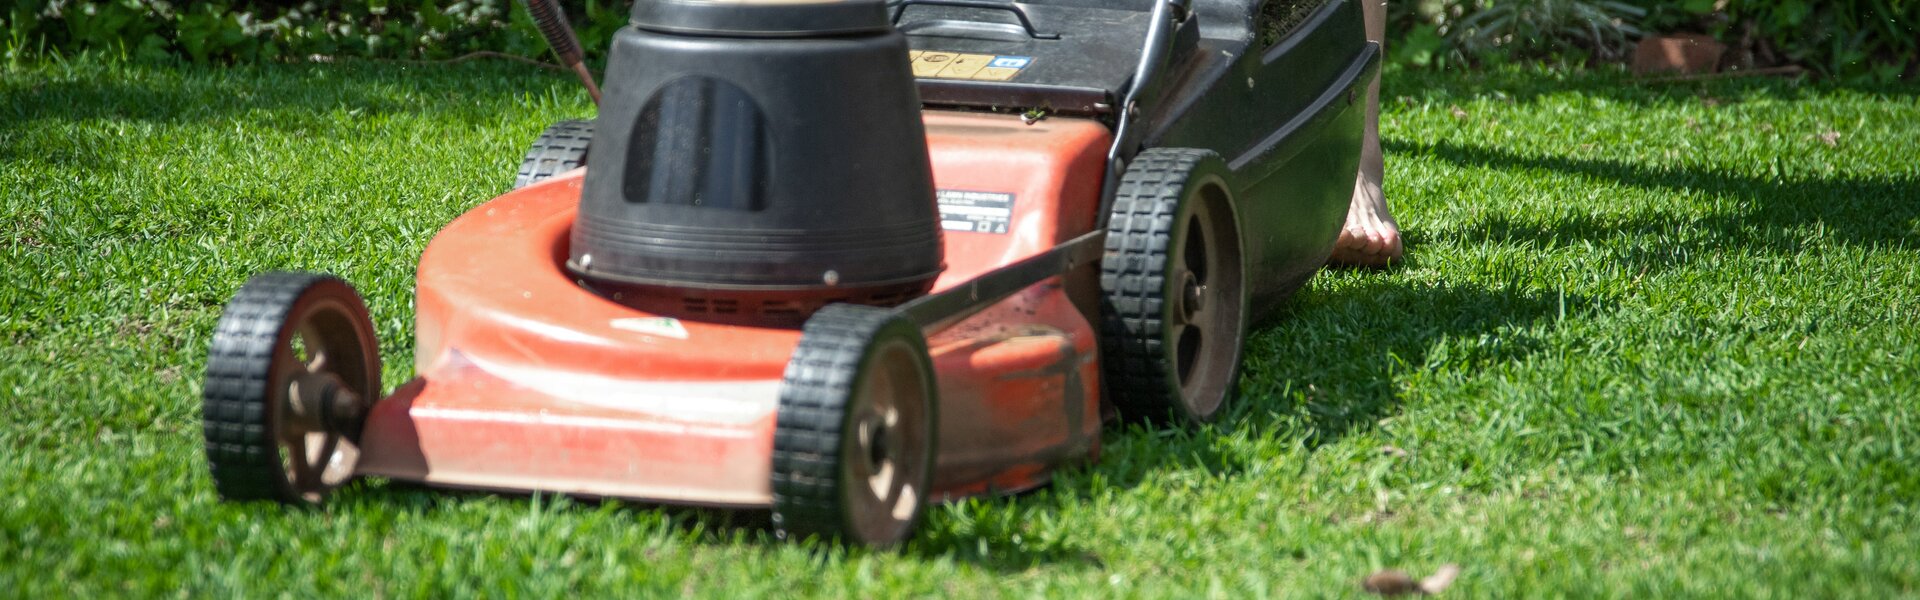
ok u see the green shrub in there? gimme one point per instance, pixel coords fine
(242, 30)
(1602, 30)
(1870, 40)
(1850, 40)
(1453, 32)
(1874, 40)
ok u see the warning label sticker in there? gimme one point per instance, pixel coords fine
(978, 212)
(978, 67)
(661, 326)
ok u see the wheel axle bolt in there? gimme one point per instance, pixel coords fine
(1193, 296)
(342, 404)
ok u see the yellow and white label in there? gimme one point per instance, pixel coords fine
(977, 67)
(929, 64)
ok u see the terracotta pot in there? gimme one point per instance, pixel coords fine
(1686, 54)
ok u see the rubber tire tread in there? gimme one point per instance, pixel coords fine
(815, 397)
(235, 419)
(1140, 377)
(561, 148)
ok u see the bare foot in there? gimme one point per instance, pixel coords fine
(1371, 237)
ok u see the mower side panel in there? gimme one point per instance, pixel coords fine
(1019, 394)
(466, 425)
(1288, 119)
(1019, 382)
(1051, 169)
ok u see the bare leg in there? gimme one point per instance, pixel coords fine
(1371, 237)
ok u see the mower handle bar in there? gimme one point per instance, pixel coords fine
(934, 312)
(900, 8)
(1161, 27)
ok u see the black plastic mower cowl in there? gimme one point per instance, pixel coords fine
(756, 164)
(784, 18)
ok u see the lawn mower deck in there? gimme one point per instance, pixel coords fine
(763, 293)
(527, 382)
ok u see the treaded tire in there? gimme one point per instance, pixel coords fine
(834, 399)
(561, 148)
(1175, 303)
(250, 364)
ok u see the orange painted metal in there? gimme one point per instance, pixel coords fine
(1019, 383)
(1052, 167)
(528, 381)
(1019, 394)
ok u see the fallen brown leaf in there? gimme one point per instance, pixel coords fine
(1391, 582)
(1831, 138)
(1394, 582)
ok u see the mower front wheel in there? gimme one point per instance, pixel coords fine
(292, 370)
(854, 444)
(561, 148)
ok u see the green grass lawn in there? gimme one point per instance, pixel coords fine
(1652, 341)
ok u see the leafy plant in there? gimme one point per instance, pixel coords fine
(1853, 40)
(1602, 29)
(122, 28)
(1421, 47)
(205, 32)
(238, 30)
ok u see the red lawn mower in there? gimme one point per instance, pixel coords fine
(832, 258)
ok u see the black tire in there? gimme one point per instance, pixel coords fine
(841, 436)
(293, 355)
(1175, 308)
(561, 148)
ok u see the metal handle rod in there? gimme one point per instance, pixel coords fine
(934, 312)
(1153, 56)
(553, 26)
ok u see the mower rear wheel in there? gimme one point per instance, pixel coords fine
(291, 373)
(1175, 304)
(854, 444)
(561, 148)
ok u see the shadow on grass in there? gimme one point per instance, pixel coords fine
(1320, 372)
(312, 100)
(992, 542)
(191, 94)
(1776, 213)
(1328, 364)
(708, 524)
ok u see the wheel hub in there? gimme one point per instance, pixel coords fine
(323, 401)
(319, 408)
(1193, 296)
(875, 435)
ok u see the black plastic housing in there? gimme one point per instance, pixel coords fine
(1286, 114)
(759, 162)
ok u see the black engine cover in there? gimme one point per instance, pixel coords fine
(759, 158)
